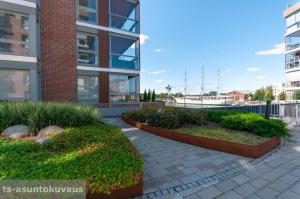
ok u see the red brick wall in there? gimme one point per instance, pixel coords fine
(104, 51)
(58, 50)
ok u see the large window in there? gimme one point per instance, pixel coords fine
(87, 10)
(123, 88)
(124, 52)
(87, 46)
(15, 84)
(88, 88)
(124, 15)
(14, 35)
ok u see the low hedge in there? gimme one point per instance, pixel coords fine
(172, 118)
(169, 118)
(99, 154)
(38, 115)
(217, 115)
(256, 124)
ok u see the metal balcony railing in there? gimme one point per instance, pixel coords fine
(124, 23)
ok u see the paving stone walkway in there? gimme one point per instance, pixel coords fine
(278, 176)
(171, 164)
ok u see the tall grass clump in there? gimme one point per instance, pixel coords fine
(38, 115)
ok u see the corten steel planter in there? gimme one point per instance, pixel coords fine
(209, 143)
(130, 192)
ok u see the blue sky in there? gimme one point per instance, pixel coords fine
(241, 37)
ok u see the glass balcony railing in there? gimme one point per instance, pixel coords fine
(293, 28)
(292, 46)
(124, 62)
(124, 23)
(292, 63)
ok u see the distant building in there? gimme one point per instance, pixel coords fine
(292, 51)
(277, 89)
(240, 96)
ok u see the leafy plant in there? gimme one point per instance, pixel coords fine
(38, 115)
(99, 154)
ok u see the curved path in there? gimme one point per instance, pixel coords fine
(172, 164)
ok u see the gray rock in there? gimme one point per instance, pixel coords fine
(49, 131)
(18, 131)
(42, 140)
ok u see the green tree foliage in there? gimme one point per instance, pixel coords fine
(149, 95)
(296, 95)
(145, 96)
(269, 94)
(282, 96)
(259, 94)
(153, 96)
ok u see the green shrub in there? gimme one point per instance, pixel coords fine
(216, 115)
(163, 120)
(99, 154)
(140, 116)
(256, 124)
(38, 115)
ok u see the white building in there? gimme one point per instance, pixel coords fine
(292, 53)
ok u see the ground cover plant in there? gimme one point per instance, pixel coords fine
(99, 154)
(176, 118)
(40, 115)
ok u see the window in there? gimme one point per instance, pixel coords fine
(87, 10)
(88, 88)
(123, 88)
(87, 46)
(15, 84)
(14, 35)
(124, 15)
(124, 52)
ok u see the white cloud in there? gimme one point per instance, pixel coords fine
(277, 50)
(228, 70)
(143, 39)
(261, 77)
(159, 81)
(160, 50)
(156, 72)
(253, 69)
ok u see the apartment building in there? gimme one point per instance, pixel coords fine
(84, 51)
(19, 50)
(292, 54)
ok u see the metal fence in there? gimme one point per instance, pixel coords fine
(289, 112)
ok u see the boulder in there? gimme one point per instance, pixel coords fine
(18, 131)
(49, 131)
(43, 140)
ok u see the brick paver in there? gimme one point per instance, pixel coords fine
(169, 163)
(192, 172)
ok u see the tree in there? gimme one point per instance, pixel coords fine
(149, 96)
(296, 95)
(145, 96)
(259, 94)
(282, 96)
(153, 96)
(269, 94)
(178, 94)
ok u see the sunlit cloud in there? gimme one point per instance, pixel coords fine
(160, 50)
(143, 39)
(253, 69)
(277, 50)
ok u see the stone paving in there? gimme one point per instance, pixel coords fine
(169, 163)
(278, 176)
(177, 170)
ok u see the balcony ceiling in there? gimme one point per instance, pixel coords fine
(120, 45)
(121, 7)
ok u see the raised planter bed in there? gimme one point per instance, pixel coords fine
(130, 192)
(214, 144)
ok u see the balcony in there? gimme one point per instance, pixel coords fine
(292, 63)
(124, 15)
(124, 52)
(124, 62)
(292, 30)
(292, 46)
(124, 23)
